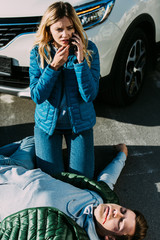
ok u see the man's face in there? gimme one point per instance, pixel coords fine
(113, 219)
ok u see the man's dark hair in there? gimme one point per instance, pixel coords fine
(140, 231)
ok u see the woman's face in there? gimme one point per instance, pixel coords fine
(114, 219)
(62, 31)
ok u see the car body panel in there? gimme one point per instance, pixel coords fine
(15, 49)
(21, 8)
(123, 17)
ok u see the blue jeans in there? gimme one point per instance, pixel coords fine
(20, 153)
(80, 149)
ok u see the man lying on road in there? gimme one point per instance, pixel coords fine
(22, 186)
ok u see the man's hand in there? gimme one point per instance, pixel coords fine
(122, 148)
(60, 58)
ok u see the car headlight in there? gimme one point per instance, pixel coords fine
(94, 13)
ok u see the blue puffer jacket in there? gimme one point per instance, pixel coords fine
(80, 83)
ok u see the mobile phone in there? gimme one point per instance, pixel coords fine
(72, 45)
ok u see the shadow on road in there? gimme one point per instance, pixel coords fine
(16, 132)
(137, 113)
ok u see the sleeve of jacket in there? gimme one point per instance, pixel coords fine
(112, 171)
(41, 81)
(88, 77)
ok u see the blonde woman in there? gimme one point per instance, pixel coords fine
(64, 81)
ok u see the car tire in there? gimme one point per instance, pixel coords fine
(129, 68)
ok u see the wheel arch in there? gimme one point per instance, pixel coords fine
(144, 22)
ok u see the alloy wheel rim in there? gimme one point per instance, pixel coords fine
(135, 68)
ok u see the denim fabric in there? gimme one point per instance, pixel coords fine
(9, 149)
(20, 153)
(80, 149)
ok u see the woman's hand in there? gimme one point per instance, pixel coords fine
(76, 41)
(60, 58)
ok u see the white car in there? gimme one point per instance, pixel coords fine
(126, 33)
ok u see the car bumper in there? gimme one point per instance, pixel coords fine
(25, 93)
(101, 35)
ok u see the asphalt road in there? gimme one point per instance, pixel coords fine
(137, 125)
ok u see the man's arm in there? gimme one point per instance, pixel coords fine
(20, 153)
(111, 173)
(9, 149)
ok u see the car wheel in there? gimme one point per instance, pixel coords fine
(130, 66)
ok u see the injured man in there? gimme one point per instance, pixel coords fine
(22, 186)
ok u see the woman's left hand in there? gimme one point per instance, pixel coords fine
(76, 41)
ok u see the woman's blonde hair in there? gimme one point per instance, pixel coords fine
(55, 12)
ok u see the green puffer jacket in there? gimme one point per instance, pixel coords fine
(47, 223)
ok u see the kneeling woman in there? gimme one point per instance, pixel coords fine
(64, 81)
